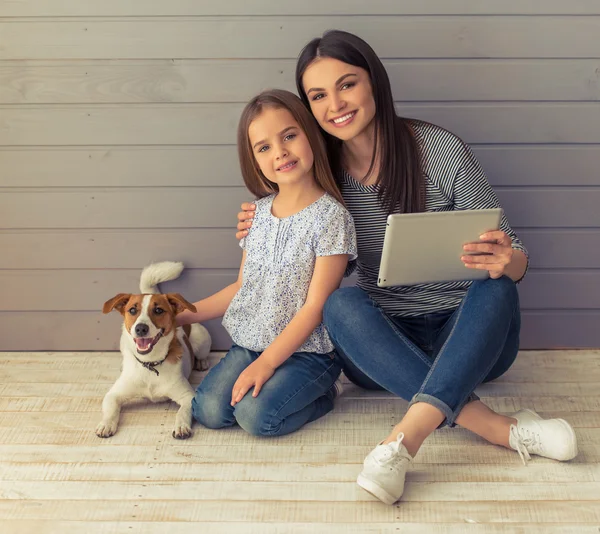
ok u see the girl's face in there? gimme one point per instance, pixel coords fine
(340, 96)
(281, 147)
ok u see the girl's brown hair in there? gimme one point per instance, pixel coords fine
(255, 180)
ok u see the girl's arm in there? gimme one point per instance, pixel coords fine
(326, 278)
(214, 306)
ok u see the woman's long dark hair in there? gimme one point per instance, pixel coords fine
(400, 180)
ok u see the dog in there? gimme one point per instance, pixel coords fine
(158, 356)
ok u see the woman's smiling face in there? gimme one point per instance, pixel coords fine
(340, 97)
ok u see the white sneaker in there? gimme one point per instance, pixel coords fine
(552, 438)
(338, 388)
(384, 471)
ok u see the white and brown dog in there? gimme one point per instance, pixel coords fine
(158, 356)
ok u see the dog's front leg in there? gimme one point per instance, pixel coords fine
(111, 409)
(183, 394)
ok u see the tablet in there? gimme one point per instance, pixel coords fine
(419, 248)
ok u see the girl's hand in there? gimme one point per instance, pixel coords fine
(497, 253)
(245, 219)
(256, 374)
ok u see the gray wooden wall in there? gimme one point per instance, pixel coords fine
(117, 131)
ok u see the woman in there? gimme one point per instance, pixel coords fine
(431, 344)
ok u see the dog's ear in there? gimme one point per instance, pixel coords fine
(116, 303)
(179, 304)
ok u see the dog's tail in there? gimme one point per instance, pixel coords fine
(154, 274)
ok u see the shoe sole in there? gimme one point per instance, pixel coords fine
(375, 490)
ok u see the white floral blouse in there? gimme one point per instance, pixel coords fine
(280, 259)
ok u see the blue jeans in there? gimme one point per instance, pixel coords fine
(299, 392)
(437, 358)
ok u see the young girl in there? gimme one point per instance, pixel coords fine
(293, 259)
(431, 344)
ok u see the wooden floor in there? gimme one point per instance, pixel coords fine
(56, 476)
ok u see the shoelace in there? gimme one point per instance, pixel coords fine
(387, 454)
(523, 443)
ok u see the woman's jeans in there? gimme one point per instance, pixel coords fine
(437, 358)
(299, 392)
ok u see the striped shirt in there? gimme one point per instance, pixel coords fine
(454, 181)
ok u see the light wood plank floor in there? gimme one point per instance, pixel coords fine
(56, 476)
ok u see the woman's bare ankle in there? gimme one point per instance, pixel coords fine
(417, 424)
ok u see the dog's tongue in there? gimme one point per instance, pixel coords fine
(143, 342)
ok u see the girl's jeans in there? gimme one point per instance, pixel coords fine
(437, 358)
(299, 392)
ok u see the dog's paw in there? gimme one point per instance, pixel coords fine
(106, 429)
(182, 432)
(202, 365)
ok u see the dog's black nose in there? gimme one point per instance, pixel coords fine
(141, 330)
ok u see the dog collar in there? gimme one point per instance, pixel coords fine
(150, 365)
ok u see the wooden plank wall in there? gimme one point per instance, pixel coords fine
(117, 131)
